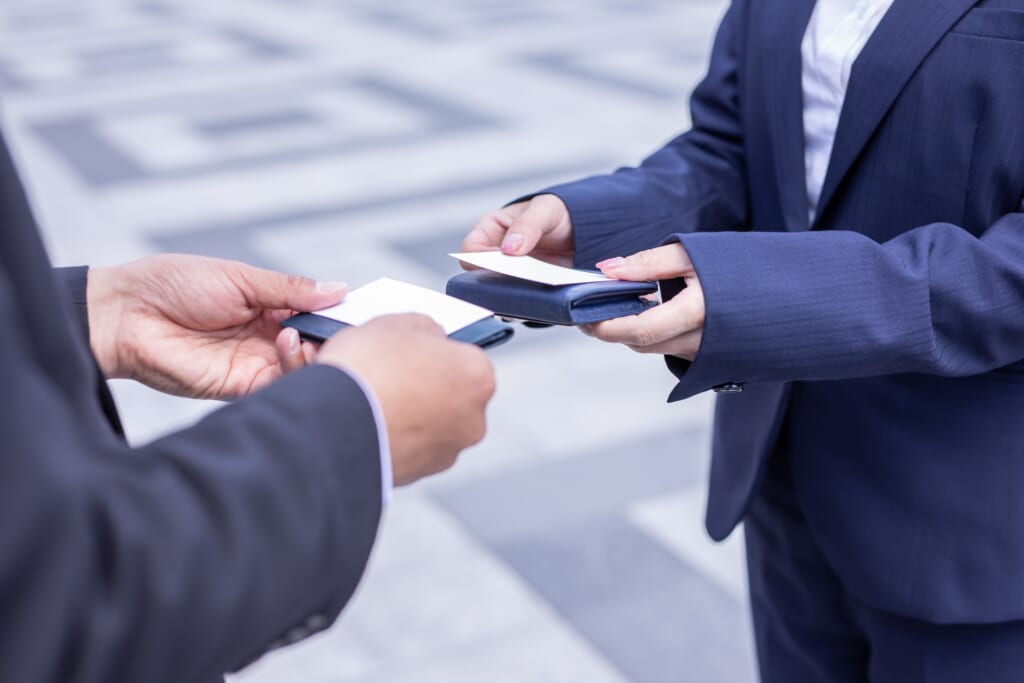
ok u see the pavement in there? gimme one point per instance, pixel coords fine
(353, 139)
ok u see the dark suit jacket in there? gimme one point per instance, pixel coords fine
(888, 335)
(179, 560)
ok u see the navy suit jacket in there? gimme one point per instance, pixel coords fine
(180, 560)
(889, 334)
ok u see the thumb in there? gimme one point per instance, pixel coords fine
(662, 263)
(272, 290)
(528, 227)
(290, 353)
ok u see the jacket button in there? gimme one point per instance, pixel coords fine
(317, 622)
(296, 634)
(728, 388)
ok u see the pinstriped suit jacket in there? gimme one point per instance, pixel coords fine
(888, 335)
(179, 560)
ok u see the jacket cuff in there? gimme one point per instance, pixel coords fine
(74, 281)
(802, 306)
(737, 315)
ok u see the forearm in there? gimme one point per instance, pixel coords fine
(836, 305)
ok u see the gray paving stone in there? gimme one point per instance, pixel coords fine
(101, 163)
(572, 491)
(351, 139)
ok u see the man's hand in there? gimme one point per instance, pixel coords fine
(540, 227)
(199, 327)
(674, 328)
(433, 391)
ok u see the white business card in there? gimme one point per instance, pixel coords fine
(528, 268)
(391, 297)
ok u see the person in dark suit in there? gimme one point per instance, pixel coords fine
(193, 555)
(843, 260)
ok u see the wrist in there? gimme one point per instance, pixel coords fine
(105, 305)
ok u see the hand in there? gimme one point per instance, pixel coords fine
(433, 391)
(673, 328)
(199, 327)
(540, 227)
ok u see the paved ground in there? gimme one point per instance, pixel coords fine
(353, 139)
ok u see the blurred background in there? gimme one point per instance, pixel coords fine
(352, 139)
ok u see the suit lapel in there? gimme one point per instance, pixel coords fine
(903, 39)
(783, 83)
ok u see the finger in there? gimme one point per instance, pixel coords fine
(671, 319)
(289, 350)
(662, 263)
(505, 219)
(309, 351)
(684, 346)
(527, 229)
(507, 215)
(486, 235)
(412, 323)
(272, 290)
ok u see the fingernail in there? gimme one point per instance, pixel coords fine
(293, 342)
(511, 242)
(612, 263)
(330, 287)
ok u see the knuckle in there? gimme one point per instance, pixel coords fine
(419, 322)
(477, 431)
(479, 371)
(550, 202)
(488, 384)
(422, 319)
(644, 259)
(642, 336)
(298, 282)
(451, 458)
(376, 324)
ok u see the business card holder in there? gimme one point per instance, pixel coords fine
(533, 302)
(487, 333)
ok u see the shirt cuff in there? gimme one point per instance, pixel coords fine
(386, 476)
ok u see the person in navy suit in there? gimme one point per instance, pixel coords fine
(842, 259)
(191, 556)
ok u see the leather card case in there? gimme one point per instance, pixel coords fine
(487, 333)
(533, 302)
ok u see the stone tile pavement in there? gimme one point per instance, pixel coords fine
(349, 139)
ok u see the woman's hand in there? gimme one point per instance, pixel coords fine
(540, 227)
(673, 328)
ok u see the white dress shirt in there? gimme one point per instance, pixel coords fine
(835, 37)
(387, 483)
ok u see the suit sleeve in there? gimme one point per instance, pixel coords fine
(837, 305)
(695, 182)
(188, 557)
(74, 282)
